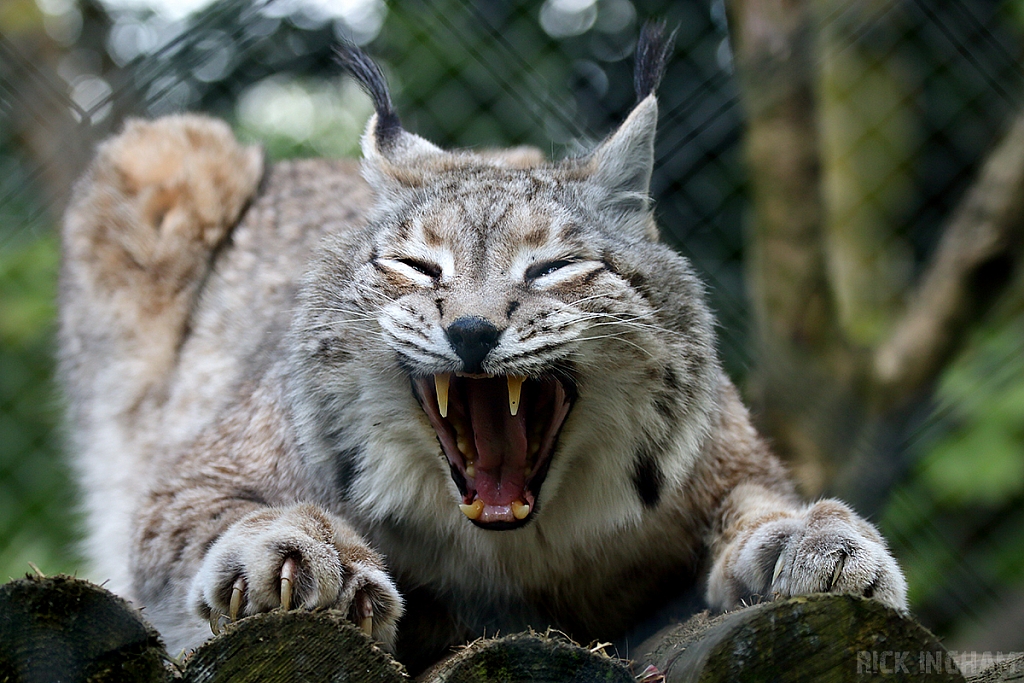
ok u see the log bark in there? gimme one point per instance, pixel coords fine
(1011, 669)
(808, 638)
(527, 658)
(316, 647)
(62, 629)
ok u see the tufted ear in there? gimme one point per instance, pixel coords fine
(382, 144)
(394, 158)
(389, 151)
(624, 161)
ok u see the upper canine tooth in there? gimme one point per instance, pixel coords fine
(515, 390)
(441, 383)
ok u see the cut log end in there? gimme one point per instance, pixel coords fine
(527, 658)
(62, 629)
(806, 638)
(290, 646)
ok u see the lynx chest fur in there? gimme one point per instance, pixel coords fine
(446, 392)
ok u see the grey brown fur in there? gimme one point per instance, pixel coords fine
(241, 348)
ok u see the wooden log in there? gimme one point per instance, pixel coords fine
(280, 647)
(527, 658)
(1010, 669)
(62, 629)
(807, 638)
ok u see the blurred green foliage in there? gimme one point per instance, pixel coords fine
(304, 117)
(956, 518)
(36, 506)
(984, 392)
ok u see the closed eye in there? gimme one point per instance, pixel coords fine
(539, 270)
(429, 269)
(423, 273)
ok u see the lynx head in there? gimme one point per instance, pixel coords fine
(527, 308)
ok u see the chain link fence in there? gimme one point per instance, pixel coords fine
(912, 95)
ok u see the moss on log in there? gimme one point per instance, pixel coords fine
(807, 638)
(527, 658)
(292, 646)
(62, 629)
(1010, 669)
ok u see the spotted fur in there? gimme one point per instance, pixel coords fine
(238, 347)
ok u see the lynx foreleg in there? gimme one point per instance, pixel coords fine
(222, 533)
(767, 546)
(138, 238)
(299, 557)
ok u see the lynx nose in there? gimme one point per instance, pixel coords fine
(472, 338)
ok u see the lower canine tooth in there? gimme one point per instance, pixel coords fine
(515, 390)
(520, 510)
(474, 509)
(441, 386)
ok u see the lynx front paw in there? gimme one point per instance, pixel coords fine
(827, 548)
(296, 558)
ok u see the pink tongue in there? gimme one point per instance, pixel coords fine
(500, 442)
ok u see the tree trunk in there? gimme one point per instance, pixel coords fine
(846, 348)
(799, 384)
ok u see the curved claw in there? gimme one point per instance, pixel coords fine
(778, 569)
(363, 608)
(215, 616)
(288, 571)
(837, 572)
(237, 593)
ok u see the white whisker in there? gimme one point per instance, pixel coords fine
(617, 337)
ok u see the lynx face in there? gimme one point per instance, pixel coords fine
(497, 303)
(496, 291)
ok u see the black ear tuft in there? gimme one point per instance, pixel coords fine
(368, 74)
(652, 53)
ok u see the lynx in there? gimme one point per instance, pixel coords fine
(448, 392)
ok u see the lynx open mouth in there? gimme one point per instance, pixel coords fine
(498, 433)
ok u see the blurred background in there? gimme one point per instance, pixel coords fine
(809, 163)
